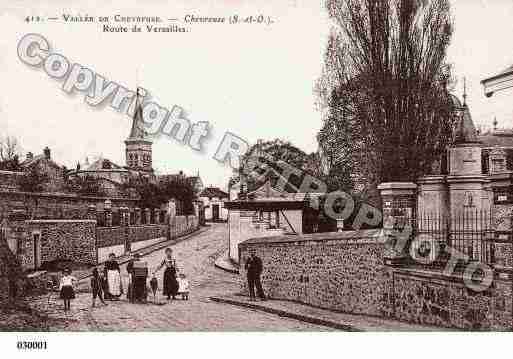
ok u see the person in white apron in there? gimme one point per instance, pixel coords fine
(112, 274)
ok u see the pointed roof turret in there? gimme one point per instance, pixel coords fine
(137, 132)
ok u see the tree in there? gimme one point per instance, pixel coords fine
(384, 88)
(84, 185)
(338, 146)
(264, 161)
(153, 195)
(9, 154)
(33, 180)
(180, 189)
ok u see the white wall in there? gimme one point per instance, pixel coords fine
(103, 253)
(241, 229)
(295, 217)
(149, 242)
(208, 203)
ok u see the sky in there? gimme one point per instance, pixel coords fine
(251, 80)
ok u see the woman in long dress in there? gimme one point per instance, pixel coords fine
(112, 274)
(170, 282)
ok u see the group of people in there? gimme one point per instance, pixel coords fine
(108, 285)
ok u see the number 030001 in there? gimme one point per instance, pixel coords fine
(35, 345)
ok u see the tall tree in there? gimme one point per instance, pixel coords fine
(9, 153)
(265, 161)
(388, 114)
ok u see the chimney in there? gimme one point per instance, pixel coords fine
(47, 153)
(29, 155)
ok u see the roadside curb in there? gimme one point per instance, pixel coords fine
(155, 247)
(225, 263)
(282, 313)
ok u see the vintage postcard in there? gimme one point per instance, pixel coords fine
(255, 166)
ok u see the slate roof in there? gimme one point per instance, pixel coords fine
(98, 165)
(497, 138)
(137, 131)
(467, 131)
(505, 72)
(211, 192)
(36, 159)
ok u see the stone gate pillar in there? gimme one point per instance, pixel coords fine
(156, 215)
(171, 208)
(91, 212)
(399, 213)
(137, 213)
(124, 220)
(108, 217)
(147, 215)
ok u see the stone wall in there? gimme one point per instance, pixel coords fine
(60, 240)
(427, 298)
(9, 180)
(147, 232)
(346, 272)
(340, 271)
(53, 205)
(117, 239)
(180, 225)
(110, 236)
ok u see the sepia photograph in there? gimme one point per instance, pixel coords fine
(172, 170)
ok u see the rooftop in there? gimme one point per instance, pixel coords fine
(211, 192)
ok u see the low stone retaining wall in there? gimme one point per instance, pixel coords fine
(36, 242)
(116, 239)
(341, 271)
(147, 232)
(428, 297)
(59, 239)
(110, 236)
(346, 272)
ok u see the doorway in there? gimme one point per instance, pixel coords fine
(215, 213)
(36, 240)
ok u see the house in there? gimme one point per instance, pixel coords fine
(498, 82)
(55, 174)
(213, 200)
(196, 183)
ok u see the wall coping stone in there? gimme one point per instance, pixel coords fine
(467, 179)
(361, 236)
(12, 172)
(66, 195)
(397, 185)
(61, 221)
(132, 225)
(434, 179)
(432, 274)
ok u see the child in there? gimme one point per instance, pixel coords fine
(97, 284)
(154, 285)
(66, 288)
(183, 286)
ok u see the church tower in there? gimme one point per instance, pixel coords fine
(138, 147)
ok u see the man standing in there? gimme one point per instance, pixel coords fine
(254, 269)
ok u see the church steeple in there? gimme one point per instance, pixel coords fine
(137, 131)
(464, 91)
(138, 147)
